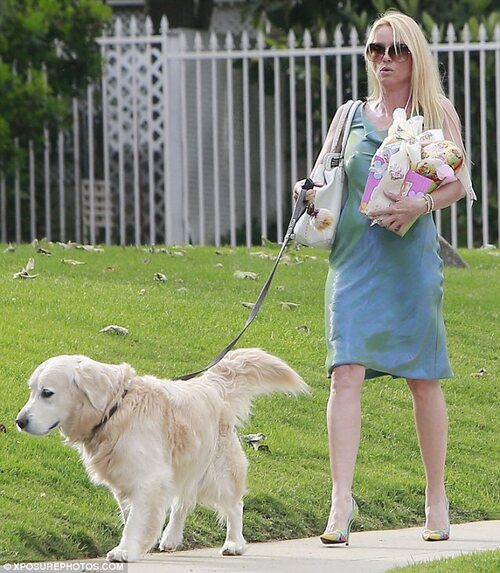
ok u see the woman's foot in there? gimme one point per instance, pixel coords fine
(342, 514)
(437, 521)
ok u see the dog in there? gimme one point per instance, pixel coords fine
(158, 445)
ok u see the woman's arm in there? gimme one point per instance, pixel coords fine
(327, 145)
(453, 131)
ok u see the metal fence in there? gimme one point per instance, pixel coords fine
(197, 138)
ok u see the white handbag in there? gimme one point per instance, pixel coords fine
(318, 225)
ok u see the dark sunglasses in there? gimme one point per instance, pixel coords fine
(397, 52)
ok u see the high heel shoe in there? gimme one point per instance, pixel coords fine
(341, 535)
(442, 534)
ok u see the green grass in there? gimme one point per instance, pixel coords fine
(484, 562)
(48, 507)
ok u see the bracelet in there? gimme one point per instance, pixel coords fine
(429, 200)
(427, 203)
(433, 208)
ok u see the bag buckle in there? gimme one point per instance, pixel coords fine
(331, 160)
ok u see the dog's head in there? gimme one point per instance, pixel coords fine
(72, 393)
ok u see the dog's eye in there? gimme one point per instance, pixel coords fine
(46, 393)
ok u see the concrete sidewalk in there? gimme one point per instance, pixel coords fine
(369, 552)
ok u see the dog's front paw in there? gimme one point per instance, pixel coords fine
(122, 555)
(232, 548)
(169, 544)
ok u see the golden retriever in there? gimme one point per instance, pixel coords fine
(159, 445)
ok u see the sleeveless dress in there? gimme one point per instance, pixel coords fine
(384, 293)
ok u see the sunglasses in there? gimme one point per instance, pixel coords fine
(397, 52)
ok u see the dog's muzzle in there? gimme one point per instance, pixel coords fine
(22, 423)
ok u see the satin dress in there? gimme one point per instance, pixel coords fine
(384, 293)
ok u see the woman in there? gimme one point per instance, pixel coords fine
(384, 292)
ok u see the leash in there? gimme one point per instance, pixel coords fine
(298, 210)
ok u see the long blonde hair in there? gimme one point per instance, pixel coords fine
(427, 93)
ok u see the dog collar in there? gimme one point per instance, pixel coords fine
(106, 418)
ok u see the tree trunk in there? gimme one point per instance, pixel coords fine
(450, 257)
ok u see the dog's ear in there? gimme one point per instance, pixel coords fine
(98, 382)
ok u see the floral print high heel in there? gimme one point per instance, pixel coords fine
(442, 534)
(341, 535)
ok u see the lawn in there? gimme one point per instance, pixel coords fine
(48, 507)
(481, 562)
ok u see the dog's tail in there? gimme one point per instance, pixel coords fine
(250, 372)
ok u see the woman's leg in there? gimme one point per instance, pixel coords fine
(431, 420)
(344, 430)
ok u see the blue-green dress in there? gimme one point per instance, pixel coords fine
(384, 293)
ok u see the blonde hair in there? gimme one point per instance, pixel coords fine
(427, 93)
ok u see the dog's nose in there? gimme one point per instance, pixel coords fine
(22, 423)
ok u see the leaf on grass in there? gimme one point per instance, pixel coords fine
(114, 328)
(254, 441)
(90, 248)
(493, 254)
(248, 304)
(263, 255)
(3, 429)
(292, 260)
(288, 305)
(219, 266)
(304, 328)
(25, 272)
(480, 373)
(68, 245)
(160, 277)
(143, 292)
(245, 275)
(182, 290)
(10, 248)
(280, 288)
(42, 251)
(72, 262)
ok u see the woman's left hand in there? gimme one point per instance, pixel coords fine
(403, 211)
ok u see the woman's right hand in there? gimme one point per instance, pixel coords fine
(310, 194)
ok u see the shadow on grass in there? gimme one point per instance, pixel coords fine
(47, 545)
(266, 516)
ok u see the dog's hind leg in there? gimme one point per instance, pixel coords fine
(173, 534)
(145, 519)
(235, 542)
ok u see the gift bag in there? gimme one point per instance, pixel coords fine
(409, 162)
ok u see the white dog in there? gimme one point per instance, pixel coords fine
(158, 444)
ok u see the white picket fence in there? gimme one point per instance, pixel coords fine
(194, 138)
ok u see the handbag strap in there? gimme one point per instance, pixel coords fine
(343, 128)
